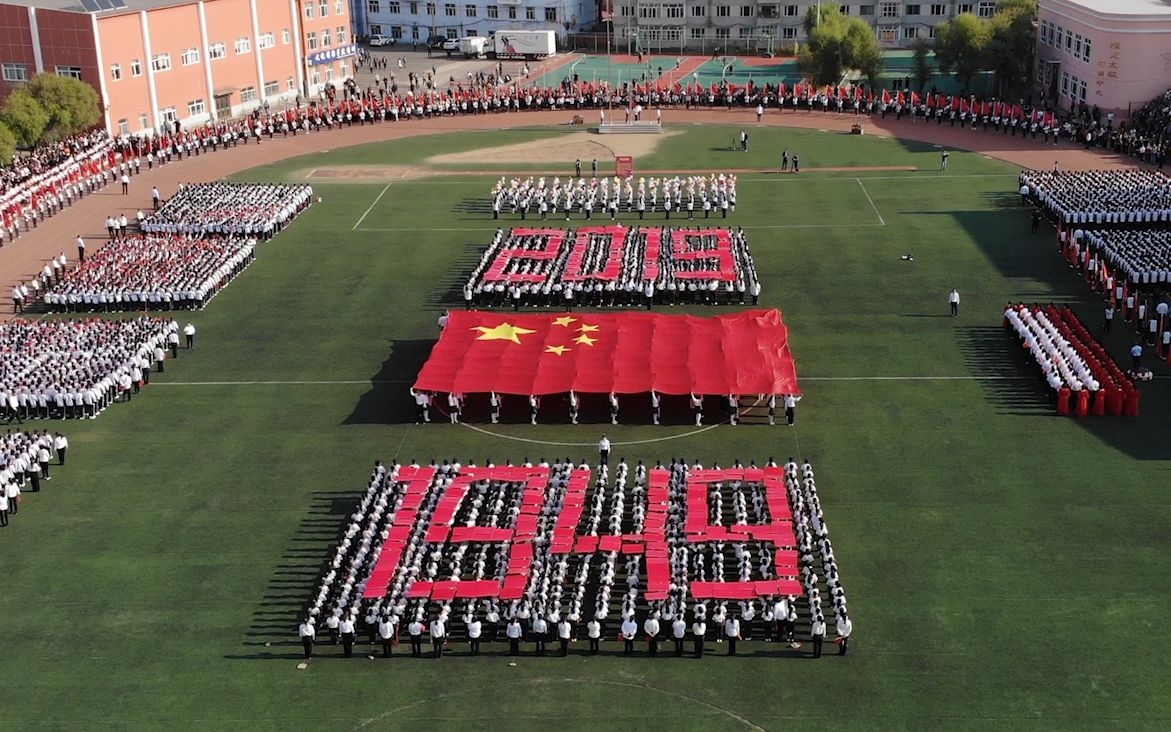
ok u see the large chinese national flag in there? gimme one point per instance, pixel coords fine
(596, 353)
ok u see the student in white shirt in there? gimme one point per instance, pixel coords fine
(651, 627)
(513, 631)
(817, 634)
(732, 632)
(564, 634)
(845, 627)
(698, 630)
(679, 632)
(540, 628)
(308, 633)
(346, 629)
(386, 635)
(629, 631)
(594, 631)
(415, 631)
(438, 636)
(475, 630)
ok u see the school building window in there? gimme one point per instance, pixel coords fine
(470, 11)
(512, 12)
(272, 88)
(123, 127)
(73, 72)
(248, 94)
(449, 10)
(551, 15)
(243, 45)
(374, 6)
(698, 11)
(217, 51)
(747, 11)
(696, 34)
(889, 10)
(136, 68)
(190, 56)
(266, 40)
(987, 8)
(311, 40)
(160, 62)
(394, 6)
(530, 13)
(116, 72)
(170, 115)
(493, 11)
(196, 107)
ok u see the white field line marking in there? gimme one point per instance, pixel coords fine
(868, 198)
(376, 200)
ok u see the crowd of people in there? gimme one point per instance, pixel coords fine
(25, 459)
(1133, 197)
(1142, 256)
(39, 184)
(52, 176)
(685, 195)
(151, 272)
(1082, 377)
(613, 266)
(61, 369)
(255, 210)
(665, 582)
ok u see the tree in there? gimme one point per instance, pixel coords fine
(7, 144)
(25, 117)
(960, 46)
(923, 70)
(73, 105)
(837, 44)
(1011, 43)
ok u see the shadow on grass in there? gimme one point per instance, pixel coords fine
(1002, 371)
(272, 633)
(389, 400)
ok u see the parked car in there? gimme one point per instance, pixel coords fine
(436, 42)
(451, 44)
(380, 40)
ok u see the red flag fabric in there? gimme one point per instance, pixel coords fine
(596, 353)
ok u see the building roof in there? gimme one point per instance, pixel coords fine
(103, 7)
(1125, 7)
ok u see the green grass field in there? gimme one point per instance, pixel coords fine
(1006, 567)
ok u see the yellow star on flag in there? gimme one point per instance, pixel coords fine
(564, 320)
(559, 350)
(583, 338)
(587, 328)
(502, 332)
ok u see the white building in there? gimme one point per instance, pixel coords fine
(760, 25)
(417, 20)
(1110, 54)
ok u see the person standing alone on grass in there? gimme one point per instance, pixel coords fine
(604, 450)
(953, 301)
(189, 332)
(785, 160)
(80, 250)
(943, 160)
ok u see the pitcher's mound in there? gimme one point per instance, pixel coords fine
(584, 146)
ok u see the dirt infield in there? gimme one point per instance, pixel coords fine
(584, 146)
(361, 173)
(21, 258)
